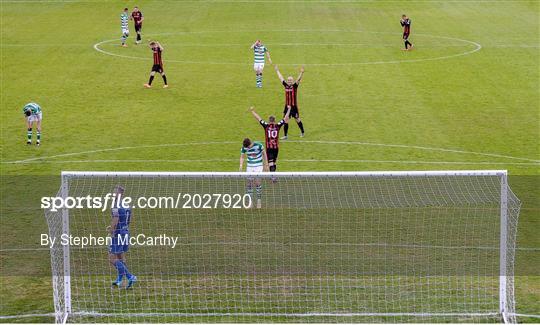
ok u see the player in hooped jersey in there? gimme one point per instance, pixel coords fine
(259, 53)
(119, 231)
(271, 134)
(138, 18)
(124, 24)
(291, 99)
(406, 24)
(33, 115)
(256, 163)
(157, 49)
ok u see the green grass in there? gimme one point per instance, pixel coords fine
(485, 102)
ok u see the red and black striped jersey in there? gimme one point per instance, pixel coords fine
(137, 17)
(271, 133)
(157, 56)
(290, 94)
(406, 24)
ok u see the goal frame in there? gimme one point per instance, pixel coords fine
(504, 285)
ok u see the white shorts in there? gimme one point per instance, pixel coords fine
(254, 169)
(258, 66)
(34, 117)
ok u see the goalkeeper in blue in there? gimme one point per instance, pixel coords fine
(119, 231)
(33, 116)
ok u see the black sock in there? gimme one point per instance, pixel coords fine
(286, 128)
(164, 78)
(151, 79)
(406, 44)
(138, 37)
(273, 168)
(301, 126)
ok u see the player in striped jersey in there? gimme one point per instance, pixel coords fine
(259, 51)
(271, 135)
(124, 23)
(406, 24)
(33, 115)
(291, 99)
(157, 49)
(256, 163)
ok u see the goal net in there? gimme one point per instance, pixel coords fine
(323, 247)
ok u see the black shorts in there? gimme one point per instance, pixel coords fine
(294, 112)
(138, 28)
(405, 36)
(157, 68)
(272, 154)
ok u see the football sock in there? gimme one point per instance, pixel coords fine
(164, 79)
(249, 190)
(259, 80)
(301, 126)
(121, 270)
(138, 37)
(273, 168)
(259, 191)
(128, 275)
(38, 135)
(29, 134)
(151, 79)
(286, 128)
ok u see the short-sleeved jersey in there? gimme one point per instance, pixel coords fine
(124, 21)
(259, 51)
(271, 133)
(157, 56)
(290, 94)
(406, 24)
(124, 218)
(254, 154)
(137, 17)
(33, 107)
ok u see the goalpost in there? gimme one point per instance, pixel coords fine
(433, 246)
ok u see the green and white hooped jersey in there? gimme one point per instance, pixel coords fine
(259, 52)
(124, 19)
(254, 154)
(33, 107)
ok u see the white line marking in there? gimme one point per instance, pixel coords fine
(406, 162)
(477, 48)
(401, 146)
(26, 316)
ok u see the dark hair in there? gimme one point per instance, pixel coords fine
(119, 189)
(246, 143)
(28, 112)
(126, 9)
(271, 119)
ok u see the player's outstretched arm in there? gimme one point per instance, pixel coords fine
(265, 161)
(112, 227)
(287, 115)
(253, 45)
(268, 56)
(255, 115)
(300, 75)
(279, 73)
(241, 162)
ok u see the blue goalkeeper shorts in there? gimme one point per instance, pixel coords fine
(120, 244)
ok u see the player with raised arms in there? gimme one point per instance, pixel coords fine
(259, 51)
(291, 90)
(138, 18)
(157, 49)
(124, 24)
(33, 115)
(119, 231)
(256, 163)
(406, 24)
(271, 135)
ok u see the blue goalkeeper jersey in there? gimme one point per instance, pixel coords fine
(124, 218)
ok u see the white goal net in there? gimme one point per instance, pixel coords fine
(323, 247)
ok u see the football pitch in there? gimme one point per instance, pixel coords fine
(467, 97)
